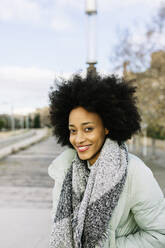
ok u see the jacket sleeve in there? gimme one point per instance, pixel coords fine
(148, 207)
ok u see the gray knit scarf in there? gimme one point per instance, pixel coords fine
(88, 198)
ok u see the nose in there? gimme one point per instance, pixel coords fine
(80, 138)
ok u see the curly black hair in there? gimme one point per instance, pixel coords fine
(111, 97)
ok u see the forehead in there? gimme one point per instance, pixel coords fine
(80, 115)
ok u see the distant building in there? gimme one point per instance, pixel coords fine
(151, 89)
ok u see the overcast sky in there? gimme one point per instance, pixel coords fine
(41, 39)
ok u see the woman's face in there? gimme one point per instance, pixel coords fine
(87, 133)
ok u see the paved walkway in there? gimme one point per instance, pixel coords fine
(9, 140)
(26, 142)
(26, 196)
(24, 228)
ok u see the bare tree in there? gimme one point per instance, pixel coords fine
(143, 63)
(136, 52)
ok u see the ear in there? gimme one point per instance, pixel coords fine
(106, 131)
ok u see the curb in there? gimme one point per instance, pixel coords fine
(21, 145)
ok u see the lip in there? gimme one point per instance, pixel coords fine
(83, 148)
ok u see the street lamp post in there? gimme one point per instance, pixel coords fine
(91, 11)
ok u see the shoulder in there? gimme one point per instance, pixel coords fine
(141, 181)
(60, 165)
(136, 167)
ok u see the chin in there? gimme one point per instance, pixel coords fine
(83, 157)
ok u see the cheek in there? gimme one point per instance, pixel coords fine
(100, 140)
(71, 139)
(99, 136)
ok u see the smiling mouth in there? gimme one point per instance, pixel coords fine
(83, 148)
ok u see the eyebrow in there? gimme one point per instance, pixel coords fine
(83, 124)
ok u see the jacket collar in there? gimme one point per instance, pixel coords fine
(61, 163)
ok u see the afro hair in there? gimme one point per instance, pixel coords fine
(110, 97)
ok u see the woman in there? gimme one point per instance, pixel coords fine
(103, 195)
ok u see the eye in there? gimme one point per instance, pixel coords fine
(72, 131)
(88, 129)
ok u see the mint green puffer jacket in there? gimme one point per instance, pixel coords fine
(138, 220)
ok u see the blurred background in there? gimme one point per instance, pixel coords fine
(42, 41)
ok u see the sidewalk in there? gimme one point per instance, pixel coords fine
(8, 134)
(28, 141)
(25, 228)
(25, 211)
(12, 139)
